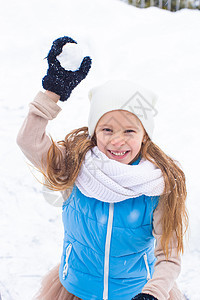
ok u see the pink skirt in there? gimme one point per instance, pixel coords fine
(52, 289)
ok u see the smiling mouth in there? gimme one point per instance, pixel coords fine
(118, 154)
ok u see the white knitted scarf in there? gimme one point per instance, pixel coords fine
(111, 181)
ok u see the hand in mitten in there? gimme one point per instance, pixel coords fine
(58, 79)
(143, 296)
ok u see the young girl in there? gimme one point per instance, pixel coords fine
(121, 192)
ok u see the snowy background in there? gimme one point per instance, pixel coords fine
(156, 48)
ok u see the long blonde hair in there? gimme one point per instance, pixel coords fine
(61, 172)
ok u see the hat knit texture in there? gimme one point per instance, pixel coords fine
(122, 95)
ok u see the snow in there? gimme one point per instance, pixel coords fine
(71, 57)
(155, 48)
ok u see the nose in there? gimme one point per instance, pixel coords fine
(118, 139)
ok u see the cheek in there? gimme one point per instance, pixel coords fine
(101, 141)
(135, 143)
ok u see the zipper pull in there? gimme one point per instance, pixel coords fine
(147, 266)
(65, 269)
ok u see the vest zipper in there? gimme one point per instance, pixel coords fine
(107, 250)
(147, 266)
(65, 269)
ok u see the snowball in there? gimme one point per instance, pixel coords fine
(71, 57)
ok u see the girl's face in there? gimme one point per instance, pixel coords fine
(119, 135)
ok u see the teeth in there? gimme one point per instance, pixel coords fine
(118, 153)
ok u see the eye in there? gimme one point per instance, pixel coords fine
(129, 131)
(107, 130)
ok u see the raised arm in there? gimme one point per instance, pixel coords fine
(32, 137)
(58, 83)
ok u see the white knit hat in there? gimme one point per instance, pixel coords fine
(125, 95)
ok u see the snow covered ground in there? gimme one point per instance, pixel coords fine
(153, 47)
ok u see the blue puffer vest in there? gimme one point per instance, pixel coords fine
(108, 250)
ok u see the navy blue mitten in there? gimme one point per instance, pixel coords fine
(59, 80)
(143, 296)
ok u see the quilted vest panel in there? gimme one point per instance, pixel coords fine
(131, 246)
